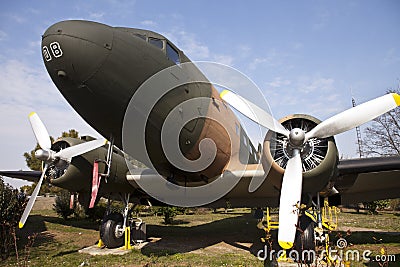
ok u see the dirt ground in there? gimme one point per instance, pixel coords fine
(44, 203)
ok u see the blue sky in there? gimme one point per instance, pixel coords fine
(306, 56)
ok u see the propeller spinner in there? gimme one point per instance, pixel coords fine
(292, 179)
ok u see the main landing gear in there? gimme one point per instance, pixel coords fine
(115, 229)
(313, 227)
(119, 230)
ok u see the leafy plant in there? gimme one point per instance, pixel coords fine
(169, 213)
(373, 206)
(12, 204)
(61, 205)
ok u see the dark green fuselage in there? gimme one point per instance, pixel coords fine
(101, 67)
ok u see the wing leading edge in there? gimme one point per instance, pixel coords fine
(31, 176)
(368, 179)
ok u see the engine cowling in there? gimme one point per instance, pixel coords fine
(76, 176)
(319, 156)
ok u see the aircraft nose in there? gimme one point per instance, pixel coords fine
(75, 50)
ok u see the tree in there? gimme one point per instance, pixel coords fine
(71, 133)
(62, 205)
(382, 137)
(12, 204)
(35, 164)
(31, 161)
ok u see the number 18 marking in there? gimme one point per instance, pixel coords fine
(56, 51)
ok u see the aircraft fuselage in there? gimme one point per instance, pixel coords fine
(98, 69)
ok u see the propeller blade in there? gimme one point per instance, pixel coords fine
(40, 131)
(253, 112)
(32, 200)
(355, 116)
(80, 149)
(290, 198)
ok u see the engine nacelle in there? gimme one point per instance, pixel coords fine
(319, 156)
(76, 176)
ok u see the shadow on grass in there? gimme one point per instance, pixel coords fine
(367, 237)
(34, 225)
(179, 222)
(239, 232)
(230, 212)
(62, 253)
(235, 231)
(78, 223)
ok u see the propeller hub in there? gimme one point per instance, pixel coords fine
(297, 137)
(44, 155)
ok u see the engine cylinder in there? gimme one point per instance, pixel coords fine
(319, 156)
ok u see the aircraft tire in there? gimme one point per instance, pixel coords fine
(269, 263)
(305, 239)
(107, 230)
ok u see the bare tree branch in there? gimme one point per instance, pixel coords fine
(382, 137)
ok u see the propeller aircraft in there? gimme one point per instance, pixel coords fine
(107, 75)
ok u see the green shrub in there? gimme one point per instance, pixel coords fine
(62, 208)
(98, 211)
(12, 205)
(376, 205)
(394, 204)
(169, 213)
(61, 205)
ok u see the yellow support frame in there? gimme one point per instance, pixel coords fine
(128, 238)
(330, 216)
(271, 224)
(329, 221)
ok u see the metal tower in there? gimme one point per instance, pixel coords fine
(360, 151)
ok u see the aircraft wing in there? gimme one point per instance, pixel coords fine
(368, 179)
(31, 176)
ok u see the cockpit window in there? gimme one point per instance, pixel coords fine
(172, 54)
(142, 36)
(156, 42)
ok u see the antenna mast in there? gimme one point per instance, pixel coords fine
(360, 151)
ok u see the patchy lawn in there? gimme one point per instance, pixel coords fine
(209, 239)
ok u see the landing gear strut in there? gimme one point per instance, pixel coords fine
(312, 229)
(115, 230)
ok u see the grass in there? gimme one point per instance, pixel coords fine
(210, 239)
(382, 221)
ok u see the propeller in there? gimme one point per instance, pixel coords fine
(293, 177)
(32, 199)
(291, 189)
(253, 112)
(48, 156)
(353, 117)
(40, 131)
